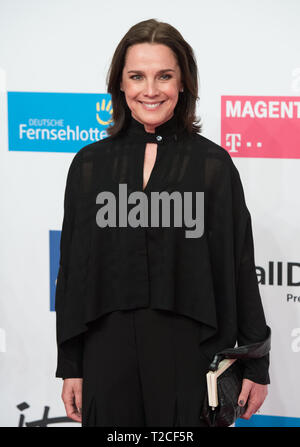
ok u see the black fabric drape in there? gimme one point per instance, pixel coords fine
(211, 278)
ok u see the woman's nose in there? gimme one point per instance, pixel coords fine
(151, 88)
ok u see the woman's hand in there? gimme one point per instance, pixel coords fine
(72, 398)
(254, 394)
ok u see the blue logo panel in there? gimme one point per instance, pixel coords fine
(268, 421)
(56, 122)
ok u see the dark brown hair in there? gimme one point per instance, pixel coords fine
(153, 31)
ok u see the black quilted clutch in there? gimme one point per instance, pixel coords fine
(229, 383)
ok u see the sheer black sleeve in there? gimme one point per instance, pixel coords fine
(250, 314)
(69, 353)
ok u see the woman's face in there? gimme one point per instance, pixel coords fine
(151, 75)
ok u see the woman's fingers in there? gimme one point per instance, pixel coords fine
(254, 395)
(78, 399)
(72, 398)
(245, 391)
(71, 409)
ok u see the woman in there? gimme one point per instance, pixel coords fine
(143, 304)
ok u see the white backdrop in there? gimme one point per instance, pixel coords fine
(242, 48)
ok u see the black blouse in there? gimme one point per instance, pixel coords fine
(210, 278)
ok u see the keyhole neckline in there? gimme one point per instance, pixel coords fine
(154, 167)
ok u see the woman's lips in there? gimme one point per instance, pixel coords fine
(151, 106)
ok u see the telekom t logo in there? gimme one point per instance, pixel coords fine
(233, 140)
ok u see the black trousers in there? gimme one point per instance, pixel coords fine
(143, 367)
